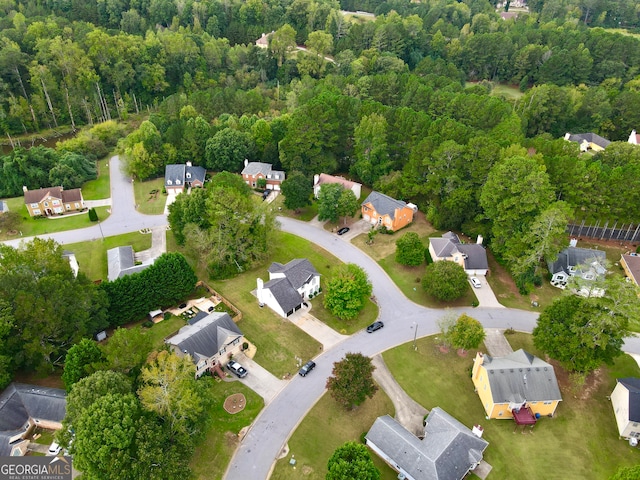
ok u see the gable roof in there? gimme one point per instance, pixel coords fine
(121, 262)
(574, 256)
(521, 376)
(254, 168)
(197, 173)
(73, 195)
(282, 290)
(205, 338)
(632, 384)
(298, 271)
(383, 204)
(475, 256)
(324, 178)
(589, 137)
(174, 175)
(448, 450)
(633, 265)
(36, 196)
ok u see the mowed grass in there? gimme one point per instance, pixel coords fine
(305, 214)
(92, 256)
(38, 226)
(565, 446)
(213, 453)
(100, 187)
(325, 428)
(147, 202)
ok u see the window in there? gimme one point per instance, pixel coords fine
(547, 403)
(500, 414)
(46, 204)
(177, 182)
(56, 202)
(68, 206)
(222, 350)
(188, 175)
(34, 205)
(77, 205)
(36, 211)
(236, 341)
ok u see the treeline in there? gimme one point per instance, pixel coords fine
(60, 69)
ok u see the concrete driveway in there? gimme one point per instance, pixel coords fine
(324, 334)
(485, 295)
(259, 379)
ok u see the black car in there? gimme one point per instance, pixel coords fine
(310, 365)
(374, 326)
(237, 369)
(343, 230)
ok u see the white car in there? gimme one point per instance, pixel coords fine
(54, 449)
(475, 282)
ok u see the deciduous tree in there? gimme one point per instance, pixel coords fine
(351, 461)
(410, 250)
(82, 359)
(445, 280)
(297, 191)
(351, 380)
(467, 333)
(347, 291)
(328, 200)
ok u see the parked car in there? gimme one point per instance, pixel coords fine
(307, 367)
(54, 449)
(475, 282)
(343, 230)
(374, 326)
(237, 369)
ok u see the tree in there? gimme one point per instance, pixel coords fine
(371, 149)
(169, 389)
(297, 191)
(81, 360)
(410, 250)
(579, 334)
(351, 461)
(127, 349)
(445, 280)
(351, 380)
(467, 333)
(446, 324)
(9, 221)
(6, 326)
(348, 204)
(227, 149)
(281, 42)
(346, 291)
(627, 473)
(328, 200)
(93, 215)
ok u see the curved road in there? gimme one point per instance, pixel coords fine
(124, 217)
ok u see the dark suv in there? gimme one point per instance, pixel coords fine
(375, 326)
(237, 369)
(307, 367)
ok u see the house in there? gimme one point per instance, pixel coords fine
(631, 265)
(121, 262)
(73, 261)
(519, 380)
(210, 342)
(625, 400)
(586, 263)
(288, 286)
(253, 171)
(24, 407)
(472, 257)
(263, 41)
(379, 209)
(448, 451)
(324, 179)
(52, 200)
(634, 138)
(588, 141)
(177, 177)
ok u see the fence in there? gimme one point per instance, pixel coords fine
(625, 233)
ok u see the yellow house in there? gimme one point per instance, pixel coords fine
(52, 201)
(631, 266)
(518, 380)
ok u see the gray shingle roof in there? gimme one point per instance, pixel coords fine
(383, 204)
(299, 271)
(121, 262)
(205, 338)
(521, 376)
(174, 175)
(633, 385)
(448, 450)
(476, 256)
(197, 173)
(254, 168)
(574, 256)
(285, 294)
(442, 247)
(589, 137)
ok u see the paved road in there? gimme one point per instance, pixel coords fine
(124, 217)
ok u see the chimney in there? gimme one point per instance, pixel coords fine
(259, 291)
(246, 162)
(316, 178)
(632, 138)
(188, 164)
(480, 240)
(566, 136)
(477, 430)
(24, 188)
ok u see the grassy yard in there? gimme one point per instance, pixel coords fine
(367, 316)
(92, 256)
(583, 428)
(100, 187)
(325, 428)
(38, 226)
(214, 452)
(305, 214)
(163, 329)
(150, 203)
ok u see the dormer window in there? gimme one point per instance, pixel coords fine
(177, 182)
(169, 182)
(188, 175)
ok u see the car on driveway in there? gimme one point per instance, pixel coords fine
(237, 369)
(475, 282)
(343, 230)
(375, 326)
(307, 367)
(54, 449)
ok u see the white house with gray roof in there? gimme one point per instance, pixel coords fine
(253, 171)
(177, 177)
(448, 451)
(470, 256)
(586, 263)
(24, 407)
(121, 262)
(288, 286)
(210, 342)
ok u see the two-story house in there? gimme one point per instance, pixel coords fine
(625, 400)
(472, 256)
(381, 210)
(288, 286)
(254, 171)
(53, 201)
(178, 177)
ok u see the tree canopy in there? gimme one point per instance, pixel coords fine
(410, 250)
(82, 359)
(351, 380)
(445, 280)
(466, 333)
(347, 291)
(351, 461)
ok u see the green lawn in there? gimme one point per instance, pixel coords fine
(509, 92)
(38, 226)
(213, 453)
(159, 331)
(92, 256)
(150, 203)
(367, 316)
(100, 187)
(46, 436)
(583, 428)
(325, 428)
(305, 214)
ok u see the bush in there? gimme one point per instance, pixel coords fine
(245, 346)
(147, 324)
(93, 215)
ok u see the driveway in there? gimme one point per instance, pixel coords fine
(259, 379)
(324, 334)
(485, 295)
(496, 343)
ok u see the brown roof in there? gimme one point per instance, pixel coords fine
(73, 195)
(633, 265)
(324, 178)
(36, 196)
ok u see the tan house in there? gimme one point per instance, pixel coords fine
(631, 265)
(324, 179)
(519, 381)
(625, 400)
(210, 342)
(588, 141)
(472, 257)
(53, 201)
(379, 209)
(253, 171)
